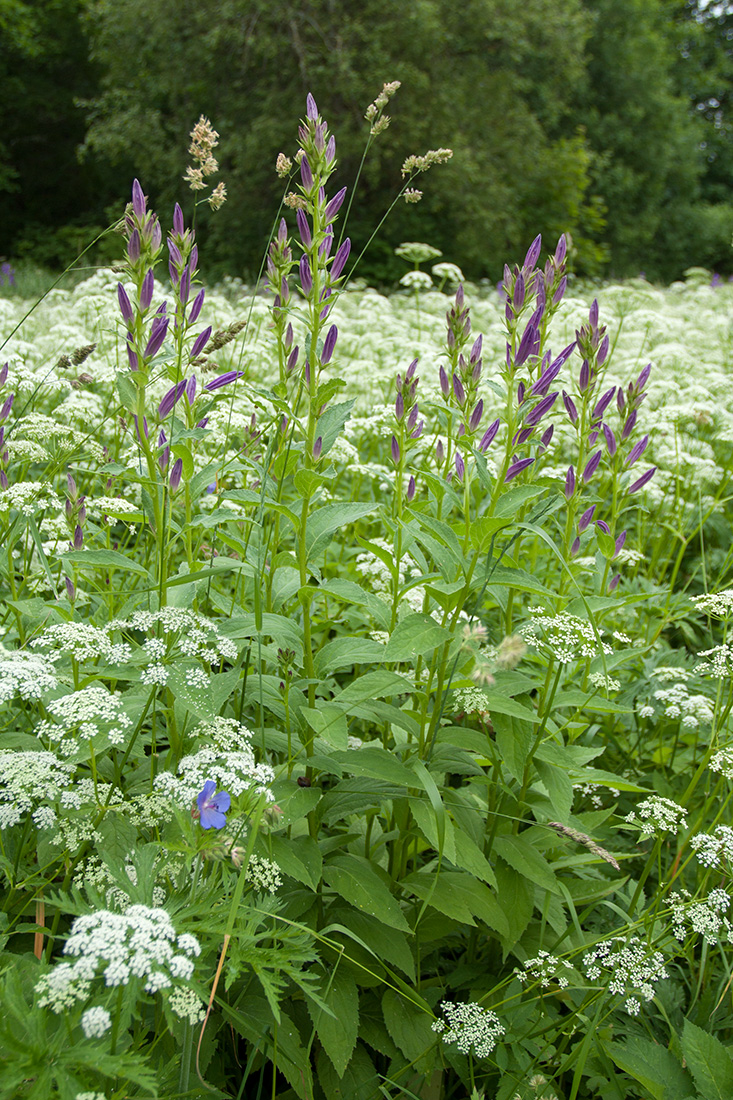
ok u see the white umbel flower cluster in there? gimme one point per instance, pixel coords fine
(563, 636)
(705, 918)
(657, 814)
(24, 674)
(140, 943)
(544, 969)
(87, 712)
(719, 662)
(717, 604)
(470, 1026)
(632, 970)
(82, 642)
(263, 874)
(28, 779)
(712, 849)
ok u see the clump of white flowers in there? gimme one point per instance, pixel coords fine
(87, 712)
(657, 814)
(263, 874)
(676, 701)
(601, 680)
(544, 969)
(631, 969)
(722, 761)
(720, 661)
(29, 498)
(81, 641)
(712, 849)
(472, 700)
(471, 1027)
(717, 604)
(140, 943)
(24, 674)
(564, 636)
(188, 634)
(28, 780)
(184, 1002)
(705, 917)
(226, 757)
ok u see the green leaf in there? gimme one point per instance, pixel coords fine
(331, 517)
(300, 857)
(387, 944)
(331, 422)
(119, 835)
(509, 503)
(458, 896)
(337, 1032)
(359, 1082)
(183, 451)
(329, 722)
(426, 821)
(373, 685)
(523, 857)
(708, 1061)
(559, 787)
(127, 391)
(354, 878)
(409, 1027)
(519, 579)
(344, 651)
(500, 703)
(470, 858)
(516, 897)
(104, 559)
(200, 701)
(514, 738)
(415, 635)
(353, 593)
(653, 1066)
(374, 761)
(483, 528)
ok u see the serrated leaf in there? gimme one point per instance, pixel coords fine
(708, 1061)
(409, 1026)
(337, 1032)
(343, 652)
(300, 857)
(653, 1066)
(559, 787)
(377, 763)
(416, 635)
(328, 721)
(359, 1082)
(458, 896)
(514, 739)
(354, 878)
(104, 559)
(331, 517)
(374, 685)
(516, 897)
(523, 857)
(331, 422)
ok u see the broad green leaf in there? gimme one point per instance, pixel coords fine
(708, 1061)
(514, 739)
(328, 721)
(469, 857)
(331, 517)
(483, 528)
(352, 593)
(508, 577)
(559, 787)
(523, 857)
(344, 651)
(653, 1066)
(516, 897)
(119, 835)
(387, 944)
(504, 704)
(354, 878)
(374, 685)
(127, 391)
(337, 1032)
(590, 701)
(376, 762)
(300, 857)
(295, 802)
(104, 559)
(200, 701)
(458, 896)
(359, 1081)
(510, 502)
(409, 1026)
(425, 819)
(416, 635)
(331, 422)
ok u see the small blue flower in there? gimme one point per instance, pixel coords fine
(213, 806)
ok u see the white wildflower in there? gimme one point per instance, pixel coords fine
(95, 1022)
(713, 848)
(658, 814)
(470, 1026)
(544, 969)
(629, 968)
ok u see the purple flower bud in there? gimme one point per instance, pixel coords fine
(570, 482)
(331, 150)
(489, 436)
(178, 226)
(517, 467)
(124, 301)
(561, 250)
(191, 390)
(306, 175)
(559, 294)
(70, 590)
(132, 356)
(411, 490)
(593, 313)
(575, 547)
(459, 391)
(133, 246)
(339, 260)
(311, 109)
(138, 199)
(196, 306)
(476, 349)
(584, 379)
(326, 245)
(629, 425)
(541, 408)
(460, 466)
(636, 451)
(475, 418)
(613, 583)
(146, 290)
(303, 228)
(395, 448)
(399, 407)
(184, 287)
(610, 439)
(522, 436)
(439, 452)
(618, 546)
(643, 378)
(592, 438)
(533, 253)
(3, 375)
(158, 331)
(603, 404)
(306, 279)
(175, 254)
(200, 342)
(7, 406)
(603, 351)
(570, 407)
(71, 487)
(137, 427)
(334, 206)
(412, 418)
(224, 380)
(591, 466)
(603, 526)
(527, 345)
(586, 518)
(292, 360)
(329, 344)
(521, 393)
(176, 472)
(460, 297)
(169, 400)
(519, 293)
(317, 448)
(546, 437)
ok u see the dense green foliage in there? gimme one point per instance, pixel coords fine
(604, 119)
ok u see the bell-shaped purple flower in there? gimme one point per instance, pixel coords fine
(618, 545)
(603, 526)
(200, 343)
(334, 206)
(191, 390)
(559, 293)
(460, 466)
(569, 482)
(541, 409)
(292, 360)
(339, 260)
(311, 109)
(586, 518)
(124, 302)
(591, 466)
(475, 417)
(570, 407)
(329, 344)
(643, 480)
(584, 379)
(306, 279)
(629, 425)
(146, 290)
(395, 449)
(170, 399)
(306, 175)
(138, 199)
(636, 451)
(489, 436)
(176, 472)
(517, 468)
(533, 253)
(603, 350)
(303, 228)
(527, 345)
(519, 293)
(459, 391)
(575, 547)
(603, 404)
(610, 440)
(317, 448)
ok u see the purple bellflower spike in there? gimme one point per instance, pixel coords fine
(586, 518)
(212, 806)
(331, 150)
(584, 378)
(339, 260)
(200, 343)
(176, 472)
(533, 253)
(311, 109)
(540, 409)
(170, 399)
(618, 546)
(138, 199)
(489, 436)
(559, 294)
(575, 547)
(410, 373)
(642, 481)
(570, 407)
(146, 290)
(395, 448)
(223, 380)
(411, 490)
(517, 467)
(561, 250)
(303, 228)
(603, 526)
(475, 418)
(460, 466)
(196, 306)
(629, 425)
(133, 246)
(124, 301)
(643, 378)
(476, 349)
(334, 206)
(329, 344)
(637, 451)
(610, 440)
(569, 482)
(306, 279)
(306, 175)
(591, 466)
(593, 313)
